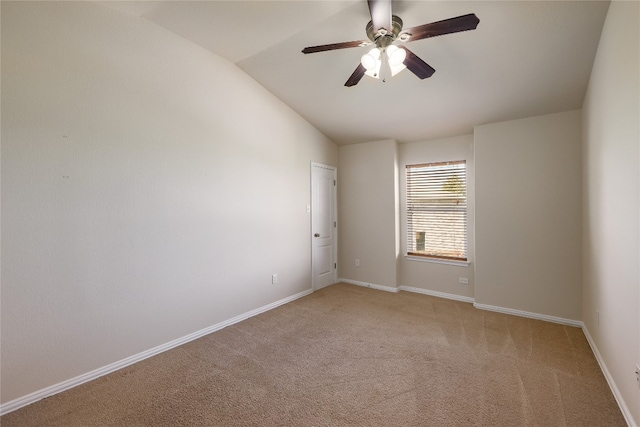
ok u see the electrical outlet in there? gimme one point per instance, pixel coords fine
(463, 281)
(357, 263)
(638, 373)
(274, 279)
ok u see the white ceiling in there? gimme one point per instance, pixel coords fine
(526, 58)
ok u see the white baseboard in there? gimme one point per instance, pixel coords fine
(437, 294)
(89, 376)
(537, 316)
(408, 289)
(612, 384)
(369, 285)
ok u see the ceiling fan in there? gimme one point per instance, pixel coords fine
(387, 59)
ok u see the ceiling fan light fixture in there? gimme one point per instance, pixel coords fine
(396, 55)
(371, 60)
(395, 69)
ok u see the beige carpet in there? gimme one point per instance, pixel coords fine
(351, 356)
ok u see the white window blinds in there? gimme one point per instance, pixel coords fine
(437, 210)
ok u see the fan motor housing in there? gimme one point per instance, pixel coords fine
(382, 38)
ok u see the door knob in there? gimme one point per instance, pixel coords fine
(316, 235)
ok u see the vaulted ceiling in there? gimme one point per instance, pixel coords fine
(526, 58)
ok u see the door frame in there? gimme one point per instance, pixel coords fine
(334, 214)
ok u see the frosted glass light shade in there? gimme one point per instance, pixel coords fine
(396, 55)
(371, 60)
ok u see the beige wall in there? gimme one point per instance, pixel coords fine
(611, 136)
(429, 275)
(149, 190)
(528, 215)
(367, 212)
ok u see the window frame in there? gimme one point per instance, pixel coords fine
(410, 250)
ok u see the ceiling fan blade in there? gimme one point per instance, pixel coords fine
(447, 26)
(380, 14)
(334, 46)
(417, 66)
(356, 76)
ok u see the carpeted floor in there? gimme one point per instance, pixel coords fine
(352, 356)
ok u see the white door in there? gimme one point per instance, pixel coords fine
(323, 225)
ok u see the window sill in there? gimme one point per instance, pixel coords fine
(437, 261)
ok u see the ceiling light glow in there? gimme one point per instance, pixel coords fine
(371, 60)
(396, 55)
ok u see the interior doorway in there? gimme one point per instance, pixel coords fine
(324, 225)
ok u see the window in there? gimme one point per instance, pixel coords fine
(437, 210)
